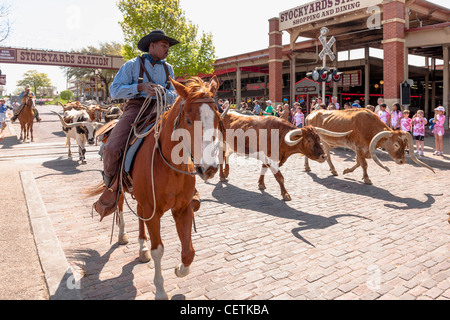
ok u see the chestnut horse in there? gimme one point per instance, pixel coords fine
(162, 182)
(26, 117)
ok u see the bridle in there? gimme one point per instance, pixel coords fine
(185, 147)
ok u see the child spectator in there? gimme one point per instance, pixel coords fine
(384, 114)
(396, 116)
(419, 123)
(299, 117)
(439, 131)
(405, 124)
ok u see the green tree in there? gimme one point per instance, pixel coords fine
(85, 74)
(35, 80)
(66, 95)
(194, 55)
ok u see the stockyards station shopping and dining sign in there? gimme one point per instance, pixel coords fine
(321, 9)
(65, 59)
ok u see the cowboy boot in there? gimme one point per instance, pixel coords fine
(36, 115)
(16, 114)
(107, 203)
(196, 201)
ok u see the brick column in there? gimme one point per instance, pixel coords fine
(275, 62)
(394, 49)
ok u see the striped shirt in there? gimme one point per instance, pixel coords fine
(125, 83)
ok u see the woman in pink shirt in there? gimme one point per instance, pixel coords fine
(396, 116)
(439, 131)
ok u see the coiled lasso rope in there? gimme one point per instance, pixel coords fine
(161, 107)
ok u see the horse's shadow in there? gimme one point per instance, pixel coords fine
(353, 187)
(91, 263)
(267, 204)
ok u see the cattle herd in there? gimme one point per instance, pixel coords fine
(81, 122)
(358, 129)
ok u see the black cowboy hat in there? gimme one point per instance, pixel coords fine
(154, 36)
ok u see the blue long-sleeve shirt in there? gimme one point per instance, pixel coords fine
(125, 83)
(22, 94)
(3, 108)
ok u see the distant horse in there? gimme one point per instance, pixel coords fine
(161, 182)
(26, 117)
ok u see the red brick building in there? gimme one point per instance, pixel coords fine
(399, 28)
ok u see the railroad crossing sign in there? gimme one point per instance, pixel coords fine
(327, 46)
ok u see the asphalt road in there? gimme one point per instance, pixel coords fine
(337, 238)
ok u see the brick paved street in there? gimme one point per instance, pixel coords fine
(337, 238)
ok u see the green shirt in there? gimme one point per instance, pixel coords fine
(269, 109)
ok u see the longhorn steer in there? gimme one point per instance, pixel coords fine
(369, 133)
(113, 113)
(275, 135)
(77, 126)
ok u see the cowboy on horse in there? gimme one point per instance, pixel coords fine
(19, 109)
(136, 81)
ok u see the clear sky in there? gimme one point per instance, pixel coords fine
(238, 26)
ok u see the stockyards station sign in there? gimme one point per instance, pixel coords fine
(64, 59)
(320, 10)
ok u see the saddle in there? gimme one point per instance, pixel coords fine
(131, 149)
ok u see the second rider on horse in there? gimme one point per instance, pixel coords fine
(19, 109)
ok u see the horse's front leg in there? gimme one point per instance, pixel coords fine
(31, 133)
(123, 237)
(144, 253)
(183, 220)
(157, 251)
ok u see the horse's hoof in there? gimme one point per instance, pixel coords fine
(287, 197)
(181, 271)
(123, 239)
(367, 181)
(144, 256)
(262, 187)
(334, 173)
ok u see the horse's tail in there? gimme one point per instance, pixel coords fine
(94, 191)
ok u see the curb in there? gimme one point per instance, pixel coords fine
(58, 274)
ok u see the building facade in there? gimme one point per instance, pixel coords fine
(399, 29)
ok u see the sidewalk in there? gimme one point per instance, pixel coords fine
(21, 276)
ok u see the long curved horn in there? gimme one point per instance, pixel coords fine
(410, 141)
(70, 125)
(291, 134)
(373, 146)
(332, 133)
(223, 115)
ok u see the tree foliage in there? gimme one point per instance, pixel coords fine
(35, 80)
(85, 74)
(66, 95)
(194, 55)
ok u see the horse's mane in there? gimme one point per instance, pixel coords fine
(198, 89)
